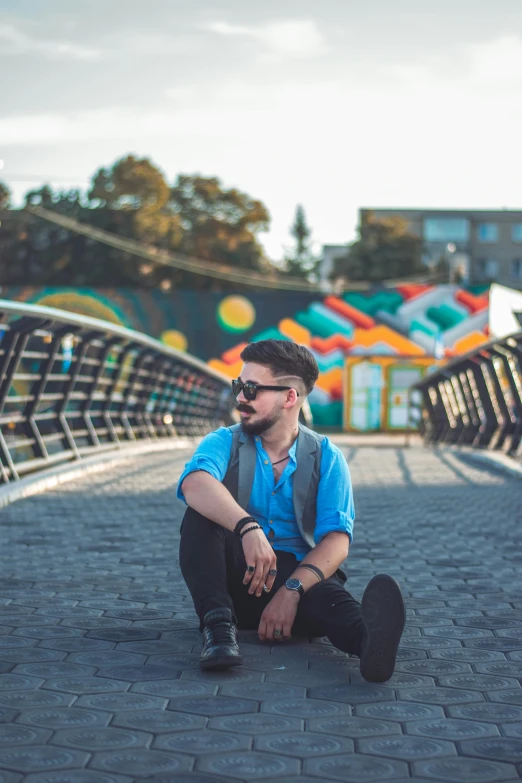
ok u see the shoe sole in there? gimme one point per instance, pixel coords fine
(384, 618)
(219, 663)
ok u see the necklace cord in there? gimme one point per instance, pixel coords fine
(280, 460)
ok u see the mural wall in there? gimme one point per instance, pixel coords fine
(409, 322)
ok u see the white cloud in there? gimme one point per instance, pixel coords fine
(178, 93)
(285, 38)
(154, 44)
(55, 128)
(498, 61)
(217, 115)
(27, 129)
(493, 67)
(16, 42)
(434, 132)
(115, 123)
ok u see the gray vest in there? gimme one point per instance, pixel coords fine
(239, 478)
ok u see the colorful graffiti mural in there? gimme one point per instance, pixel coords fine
(410, 321)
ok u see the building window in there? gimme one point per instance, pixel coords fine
(487, 232)
(516, 269)
(488, 268)
(446, 230)
(516, 232)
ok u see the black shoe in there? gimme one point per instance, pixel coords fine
(384, 617)
(220, 648)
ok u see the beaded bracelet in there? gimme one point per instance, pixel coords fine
(254, 527)
(241, 524)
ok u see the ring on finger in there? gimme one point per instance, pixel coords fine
(266, 589)
(251, 569)
(272, 572)
(278, 633)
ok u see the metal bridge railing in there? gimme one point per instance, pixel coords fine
(71, 386)
(476, 399)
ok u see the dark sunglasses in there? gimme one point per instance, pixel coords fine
(250, 389)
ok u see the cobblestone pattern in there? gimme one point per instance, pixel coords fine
(99, 677)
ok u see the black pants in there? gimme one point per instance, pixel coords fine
(213, 566)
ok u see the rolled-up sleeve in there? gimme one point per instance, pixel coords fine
(212, 455)
(335, 506)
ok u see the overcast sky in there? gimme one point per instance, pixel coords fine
(334, 104)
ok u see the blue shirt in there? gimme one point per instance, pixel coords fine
(271, 503)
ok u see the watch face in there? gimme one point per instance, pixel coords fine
(293, 584)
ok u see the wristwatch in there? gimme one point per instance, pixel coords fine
(294, 584)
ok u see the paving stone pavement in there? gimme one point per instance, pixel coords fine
(99, 647)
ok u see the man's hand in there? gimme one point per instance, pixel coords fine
(280, 613)
(260, 555)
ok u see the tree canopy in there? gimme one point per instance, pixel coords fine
(218, 224)
(138, 191)
(196, 216)
(386, 249)
(5, 195)
(301, 262)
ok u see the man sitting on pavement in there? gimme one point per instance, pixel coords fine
(269, 523)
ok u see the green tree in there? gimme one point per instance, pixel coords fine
(219, 224)
(67, 202)
(386, 249)
(301, 262)
(5, 196)
(41, 197)
(137, 190)
(197, 216)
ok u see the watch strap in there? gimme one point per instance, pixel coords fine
(298, 588)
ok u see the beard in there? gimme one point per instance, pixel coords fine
(260, 426)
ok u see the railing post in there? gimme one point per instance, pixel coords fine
(86, 408)
(145, 395)
(164, 410)
(78, 362)
(118, 374)
(132, 388)
(14, 344)
(39, 389)
(157, 395)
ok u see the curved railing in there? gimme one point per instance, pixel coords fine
(476, 399)
(71, 386)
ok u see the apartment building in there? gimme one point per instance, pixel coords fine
(483, 245)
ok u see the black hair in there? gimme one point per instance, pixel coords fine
(284, 357)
